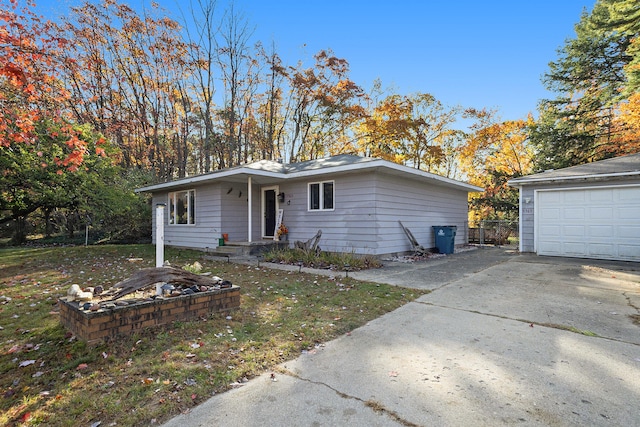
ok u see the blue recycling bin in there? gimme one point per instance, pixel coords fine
(445, 237)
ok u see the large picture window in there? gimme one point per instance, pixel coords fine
(182, 207)
(321, 196)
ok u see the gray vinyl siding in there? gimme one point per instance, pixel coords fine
(349, 227)
(527, 223)
(235, 211)
(216, 213)
(207, 229)
(367, 207)
(419, 206)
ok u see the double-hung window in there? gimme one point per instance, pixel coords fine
(321, 195)
(182, 207)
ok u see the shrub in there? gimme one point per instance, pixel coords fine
(340, 261)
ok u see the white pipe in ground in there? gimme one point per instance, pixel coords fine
(159, 241)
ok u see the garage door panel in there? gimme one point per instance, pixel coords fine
(549, 214)
(550, 232)
(550, 248)
(599, 250)
(574, 213)
(574, 248)
(573, 230)
(601, 213)
(629, 252)
(574, 197)
(629, 232)
(590, 223)
(600, 231)
(601, 196)
(628, 194)
(631, 213)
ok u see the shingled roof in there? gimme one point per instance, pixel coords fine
(618, 167)
(268, 170)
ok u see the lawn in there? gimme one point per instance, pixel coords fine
(48, 377)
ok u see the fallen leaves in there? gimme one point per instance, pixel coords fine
(171, 365)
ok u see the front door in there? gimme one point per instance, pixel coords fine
(269, 211)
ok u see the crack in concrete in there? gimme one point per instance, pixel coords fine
(372, 404)
(630, 303)
(546, 325)
(635, 318)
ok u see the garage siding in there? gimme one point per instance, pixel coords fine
(527, 220)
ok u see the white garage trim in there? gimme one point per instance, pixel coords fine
(588, 222)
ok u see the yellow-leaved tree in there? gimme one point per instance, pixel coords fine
(494, 152)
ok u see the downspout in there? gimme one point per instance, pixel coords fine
(250, 203)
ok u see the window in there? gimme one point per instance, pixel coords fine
(321, 196)
(182, 207)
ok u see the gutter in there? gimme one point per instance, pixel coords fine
(519, 182)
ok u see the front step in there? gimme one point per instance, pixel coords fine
(229, 250)
(234, 249)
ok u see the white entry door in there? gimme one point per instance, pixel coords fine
(601, 223)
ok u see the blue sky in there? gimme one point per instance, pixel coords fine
(471, 53)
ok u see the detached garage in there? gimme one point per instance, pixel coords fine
(586, 211)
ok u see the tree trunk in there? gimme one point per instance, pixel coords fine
(20, 235)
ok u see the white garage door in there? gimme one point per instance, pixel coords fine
(602, 223)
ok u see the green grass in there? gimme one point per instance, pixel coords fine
(160, 372)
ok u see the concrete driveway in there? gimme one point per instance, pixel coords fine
(502, 339)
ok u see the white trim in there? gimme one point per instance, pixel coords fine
(171, 203)
(263, 208)
(518, 182)
(321, 196)
(209, 177)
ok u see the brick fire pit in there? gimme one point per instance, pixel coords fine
(93, 326)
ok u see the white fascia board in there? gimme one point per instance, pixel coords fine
(209, 177)
(518, 182)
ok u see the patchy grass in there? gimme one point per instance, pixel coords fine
(47, 377)
(328, 260)
(570, 329)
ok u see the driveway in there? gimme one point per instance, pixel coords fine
(502, 339)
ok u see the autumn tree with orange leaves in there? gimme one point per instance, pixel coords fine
(30, 89)
(495, 152)
(41, 150)
(416, 130)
